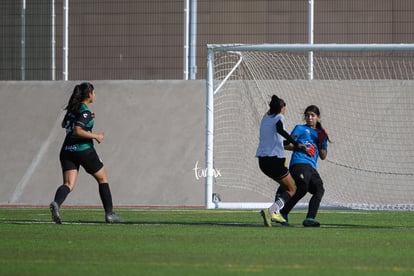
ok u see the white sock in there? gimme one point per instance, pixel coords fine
(276, 206)
(280, 202)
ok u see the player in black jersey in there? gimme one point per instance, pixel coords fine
(78, 150)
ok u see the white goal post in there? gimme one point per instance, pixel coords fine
(366, 96)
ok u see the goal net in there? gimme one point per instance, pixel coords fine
(366, 97)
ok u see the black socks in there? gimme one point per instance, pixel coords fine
(61, 194)
(106, 197)
(104, 192)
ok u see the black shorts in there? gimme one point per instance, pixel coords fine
(273, 166)
(88, 159)
(307, 178)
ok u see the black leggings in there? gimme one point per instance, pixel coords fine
(307, 180)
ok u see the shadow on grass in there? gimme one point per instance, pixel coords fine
(201, 223)
(171, 223)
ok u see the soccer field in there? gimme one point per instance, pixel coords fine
(204, 242)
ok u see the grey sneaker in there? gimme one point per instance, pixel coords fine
(54, 209)
(112, 218)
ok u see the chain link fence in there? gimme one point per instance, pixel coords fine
(144, 39)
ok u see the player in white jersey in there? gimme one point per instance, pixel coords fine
(271, 155)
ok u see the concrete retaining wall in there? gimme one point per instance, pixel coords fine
(154, 135)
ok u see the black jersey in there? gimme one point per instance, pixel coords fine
(84, 119)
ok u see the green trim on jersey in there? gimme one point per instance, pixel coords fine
(88, 142)
(72, 142)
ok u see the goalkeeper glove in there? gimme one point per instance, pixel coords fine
(310, 150)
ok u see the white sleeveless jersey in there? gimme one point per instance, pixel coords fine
(271, 142)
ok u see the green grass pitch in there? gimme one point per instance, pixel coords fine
(204, 242)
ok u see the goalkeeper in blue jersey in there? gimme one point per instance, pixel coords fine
(303, 165)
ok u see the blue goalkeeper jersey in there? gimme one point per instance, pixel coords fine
(306, 135)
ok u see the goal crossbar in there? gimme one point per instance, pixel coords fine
(311, 47)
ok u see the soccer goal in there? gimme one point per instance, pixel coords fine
(366, 97)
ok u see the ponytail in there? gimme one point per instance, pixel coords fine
(321, 131)
(79, 94)
(276, 104)
(318, 125)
